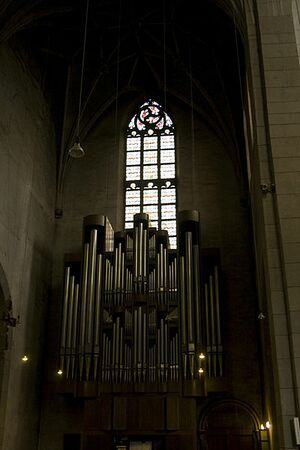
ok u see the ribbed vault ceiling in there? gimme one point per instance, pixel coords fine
(184, 49)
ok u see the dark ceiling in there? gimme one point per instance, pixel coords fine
(185, 49)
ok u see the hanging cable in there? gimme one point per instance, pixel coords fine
(82, 67)
(77, 151)
(238, 60)
(164, 56)
(118, 68)
(192, 115)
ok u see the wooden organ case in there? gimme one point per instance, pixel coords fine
(141, 336)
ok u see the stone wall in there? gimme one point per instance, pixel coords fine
(27, 192)
(275, 162)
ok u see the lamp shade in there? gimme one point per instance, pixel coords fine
(76, 151)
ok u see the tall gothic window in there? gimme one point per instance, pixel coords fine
(150, 169)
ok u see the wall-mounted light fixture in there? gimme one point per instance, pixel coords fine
(201, 358)
(10, 321)
(266, 425)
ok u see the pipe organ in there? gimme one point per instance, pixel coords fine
(135, 311)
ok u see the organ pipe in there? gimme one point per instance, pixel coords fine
(70, 322)
(190, 307)
(120, 320)
(65, 309)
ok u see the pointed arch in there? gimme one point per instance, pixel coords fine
(150, 180)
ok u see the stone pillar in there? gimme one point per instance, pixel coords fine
(274, 168)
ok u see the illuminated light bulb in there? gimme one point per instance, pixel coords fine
(262, 427)
(202, 356)
(59, 372)
(268, 425)
(25, 358)
(201, 370)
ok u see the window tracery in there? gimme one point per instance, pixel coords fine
(150, 185)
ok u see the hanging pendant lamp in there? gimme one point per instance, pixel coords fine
(76, 151)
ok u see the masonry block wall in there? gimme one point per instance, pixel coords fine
(275, 78)
(27, 193)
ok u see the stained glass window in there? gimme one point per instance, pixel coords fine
(150, 172)
(167, 171)
(133, 158)
(150, 157)
(133, 173)
(133, 144)
(150, 184)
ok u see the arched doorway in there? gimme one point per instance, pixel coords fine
(229, 425)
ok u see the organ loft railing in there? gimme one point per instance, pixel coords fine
(136, 312)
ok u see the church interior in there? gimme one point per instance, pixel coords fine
(149, 225)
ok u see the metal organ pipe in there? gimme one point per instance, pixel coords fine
(213, 331)
(208, 329)
(140, 254)
(189, 238)
(121, 367)
(166, 345)
(196, 261)
(188, 264)
(69, 322)
(216, 282)
(121, 324)
(218, 321)
(83, 308)
(97, 312)
(74, 328)
(145, 266)
(91, 288)
(90, 300)
(64, 317)
(140, 251)
(165, 271)
(144, 345)
(117, 360)
(135, 350)
(91, 294)
(183, 316)
(176, 358)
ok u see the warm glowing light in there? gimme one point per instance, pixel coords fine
(59, 372)
(268, 425)
(25, 358)
(262, 427)
(202, 356)
(201, 370)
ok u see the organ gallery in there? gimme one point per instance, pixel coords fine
(141, 331)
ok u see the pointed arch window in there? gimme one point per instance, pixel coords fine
(150, 184)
